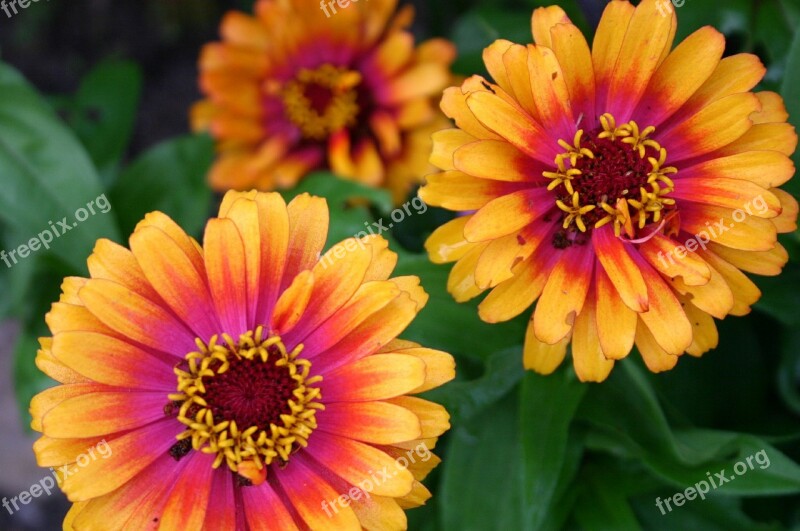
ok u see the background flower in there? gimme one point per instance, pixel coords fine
(303, 86)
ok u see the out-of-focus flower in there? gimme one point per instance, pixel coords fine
(247, 384)
(623, 189)
(292, 90)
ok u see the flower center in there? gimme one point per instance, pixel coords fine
(249, 402)
(612, 175)
(322, 101)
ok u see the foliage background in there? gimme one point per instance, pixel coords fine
(93, 99)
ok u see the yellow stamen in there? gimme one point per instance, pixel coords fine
(245, 447)
(340, 111)
(574, 151)
(575, 212)
(562, 176)
(639, 140)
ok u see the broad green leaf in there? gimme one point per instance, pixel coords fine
(481, 486)
(627, 420)
(603, 505)
(547, 408)
(791, 95)
(103, 112)
(465, 399)
(480, 27)
(171, 177)
(48, 181)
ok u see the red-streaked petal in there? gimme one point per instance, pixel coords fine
(104, 412)
(371, 422)
(376, 377)
(111, 361)
(354, 461)
(227, 275)
(174, 276)
(564, 294)
(136, 317)
(615, 257)
(131, 453)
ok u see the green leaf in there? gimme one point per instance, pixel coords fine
(46, 177)
(103, 112)
(465, 399)
(791, 95)
(171, 177)
(627, 421)
(547, 408)
(353, 207)
(602, 505)
(789, 372)
(480, 27)
(481, 484)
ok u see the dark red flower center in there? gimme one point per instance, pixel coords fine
(250, 392)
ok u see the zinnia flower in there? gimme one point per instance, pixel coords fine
(293, 90)
(622, 188)
(247, 384)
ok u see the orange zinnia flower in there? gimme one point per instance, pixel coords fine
(246, 384)
(293, 90)
(623, 189)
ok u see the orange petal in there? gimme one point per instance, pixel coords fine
(608, 43)
(131, 453)
(174, 277)
(768, 263)
(111, 361)
(104, 412)
(513, 124)
(621, 269)
(616, 323)
(494, 159)
(227, 275)
(724, 226)
(445, 144)
(683, 72)
(564, 294)
(587, 355)
(508, 214)
(354, 461)
(136, 317)
(671, 259)
(541, 357)
(371, 422)
(447, 243)
(458, 191)
(647, 40)
(716, 125)
(543, 19)
(655, 357)
(665, 317)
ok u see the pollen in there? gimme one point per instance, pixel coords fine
(322, 101)
(613, 174)
(249, 402)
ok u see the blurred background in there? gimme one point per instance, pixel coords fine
(120, 77)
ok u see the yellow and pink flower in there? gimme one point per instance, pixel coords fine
(244, 384)
(596, 173)
(293, 90)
